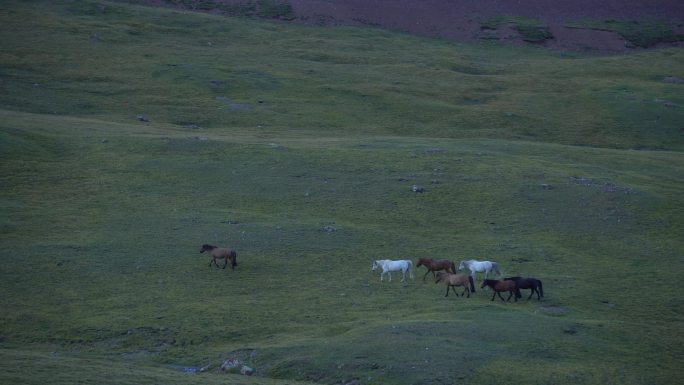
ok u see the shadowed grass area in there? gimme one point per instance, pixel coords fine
(299, 147)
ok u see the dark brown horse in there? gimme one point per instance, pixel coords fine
(220, 253)
(533, 284)
(433, 265)
(499, 286)
(453, 280)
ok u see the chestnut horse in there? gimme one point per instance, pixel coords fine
(453, 280)
(499, 286)
(220, 253)
(433, 265)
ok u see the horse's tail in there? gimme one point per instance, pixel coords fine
(233, 258)
(410, 267)
(472, 283)
(541, 288)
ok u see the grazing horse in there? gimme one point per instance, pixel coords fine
(479, 267)
(453, 280)
(433, 265)
(533, 284)
(220, 253)
(499, 286)
(388, 266)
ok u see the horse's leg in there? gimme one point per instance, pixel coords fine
(532, 290)
(426, 273)
(225, 264)
(500, 296)
(453, 288)
(493, 296)
(382, 274)
(447, 293)
(389, 273)
(510, 295)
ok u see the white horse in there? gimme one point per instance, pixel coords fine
(479, 267)
(388, 266)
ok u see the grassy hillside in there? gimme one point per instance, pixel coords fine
(130, 136)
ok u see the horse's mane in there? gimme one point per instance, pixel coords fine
(208, 247)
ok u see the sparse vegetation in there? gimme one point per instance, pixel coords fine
(642, 33)
(530, 30)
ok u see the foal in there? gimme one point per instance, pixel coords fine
(453, 280)
(499, 286)
(220, 253)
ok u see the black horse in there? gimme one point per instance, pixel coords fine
(533, 284)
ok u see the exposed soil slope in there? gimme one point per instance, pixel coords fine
(462, 20)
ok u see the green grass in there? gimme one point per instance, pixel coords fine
(531, 30)
(527, 158)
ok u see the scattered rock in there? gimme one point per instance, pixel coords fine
(94, 37)
(664, 102)
(143, 118)
(673, 79)
(246, 370)
(546, 186)
(553, 310)
(192, 126)
(329, 229)
(277, 146)
(435, 150)
(521, 260)
(239, 107)
(105, 140)
(418, 189)
(215, 83)
(605, 186)
(230, 363)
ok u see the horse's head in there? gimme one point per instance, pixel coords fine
(439, 277)
(375, 265)
(206, 247)
(421, 262)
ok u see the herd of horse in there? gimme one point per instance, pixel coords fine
(443, 270)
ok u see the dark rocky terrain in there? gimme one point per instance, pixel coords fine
(564, 24)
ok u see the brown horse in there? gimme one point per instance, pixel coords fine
(499, 286)
(453, 280)
(433, 265)
(220, 253)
